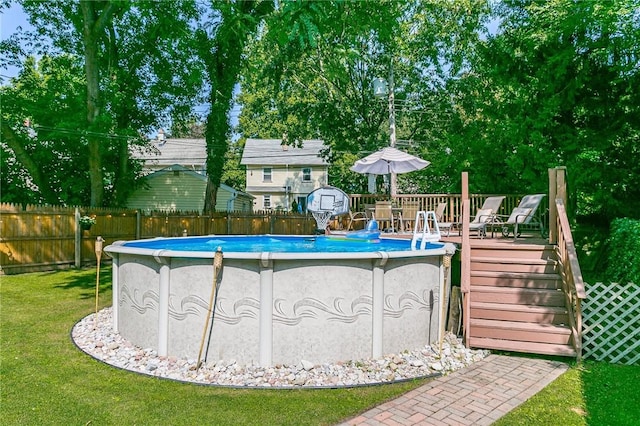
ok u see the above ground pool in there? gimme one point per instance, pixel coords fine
(278, 299)
(278, 244)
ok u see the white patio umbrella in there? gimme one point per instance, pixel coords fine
(389, 160)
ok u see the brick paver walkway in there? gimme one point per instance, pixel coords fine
(476, 395)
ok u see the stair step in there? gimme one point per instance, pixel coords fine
(520, 331)
(527, 347)
(522, 251)
(518, 295)
(502, 244)
(521, 313)
(513, 264)
(515, 279)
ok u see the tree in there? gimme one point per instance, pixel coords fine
(41, 162)
(317, 83)
(133, 56)
(558, 85)
(222, 50)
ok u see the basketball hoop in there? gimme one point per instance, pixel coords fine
(324, 203)
(322, 219)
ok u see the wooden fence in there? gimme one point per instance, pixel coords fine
(611, 323)
(40, 238)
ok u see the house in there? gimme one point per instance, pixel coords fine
(279, 175)
(189, 153)
(177, 188)
(176, 178)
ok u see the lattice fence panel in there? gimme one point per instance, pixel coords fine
(611, 323)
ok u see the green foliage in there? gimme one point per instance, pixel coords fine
(623, 249)
(591, 245)
(558, 85)
(322, 88)
(45, 162)
(136, 53)
(222, 53)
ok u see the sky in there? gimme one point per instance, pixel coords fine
(10, 20)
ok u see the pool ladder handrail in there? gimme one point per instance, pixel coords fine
(429, 233)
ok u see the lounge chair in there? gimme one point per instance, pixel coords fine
(487, 215)
(440, 211)
(445, 227)
(524, 215)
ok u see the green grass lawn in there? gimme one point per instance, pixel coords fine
(46, 380)
(593, 393)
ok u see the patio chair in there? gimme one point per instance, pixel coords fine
(356, 217)
(525, 215)
(384, 215)
(445, 227)
(479, 223)
(369, 210)
(408, 214)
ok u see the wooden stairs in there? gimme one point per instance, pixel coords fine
(516, 300)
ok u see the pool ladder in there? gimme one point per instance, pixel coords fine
(430, 231)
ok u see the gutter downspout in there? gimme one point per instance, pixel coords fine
(234, 195)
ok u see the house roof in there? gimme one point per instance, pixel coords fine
(186, 152)
(270, 152)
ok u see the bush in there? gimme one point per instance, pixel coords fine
(624, 251)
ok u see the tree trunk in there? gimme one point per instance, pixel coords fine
(93, 26)
(223, 57)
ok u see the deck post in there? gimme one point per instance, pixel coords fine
(553, 211)
(557, 189)
(465, 284)
(561, 184)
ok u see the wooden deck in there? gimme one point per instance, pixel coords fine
(516, 301)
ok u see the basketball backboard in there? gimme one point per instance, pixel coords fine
(328, 199)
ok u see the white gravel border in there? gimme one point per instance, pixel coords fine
(99, 341)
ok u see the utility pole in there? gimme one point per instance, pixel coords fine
(393, 186)
(382, 88)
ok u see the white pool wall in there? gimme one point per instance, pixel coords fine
(279, 308)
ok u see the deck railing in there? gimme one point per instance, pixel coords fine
(572, 283)
(429, 202)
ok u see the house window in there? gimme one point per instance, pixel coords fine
(306, 174)
(266, 174)
(266, 202)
